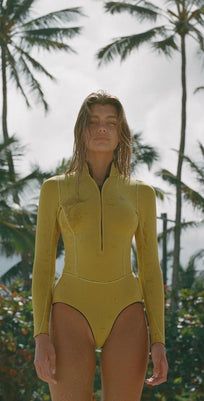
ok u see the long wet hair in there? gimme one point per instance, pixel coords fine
(122, 153)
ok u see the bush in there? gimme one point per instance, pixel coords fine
(17, 373)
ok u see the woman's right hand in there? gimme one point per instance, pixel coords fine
(45, 358)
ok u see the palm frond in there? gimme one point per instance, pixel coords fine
(198, 3)
(166, 46)
(160, 193)
(53, 33)
(15, 238)
(53, 18)
(4, 145)
(45, 44)
(12, 67)
(22, 10)
(35, 64)
(167, 176)
(19, 185)
(199, 88)
(9, 8)
(201, 147)
(32, 82)
(124, 45)
(189, 194)
(142, 154)
(194, 167)
(197, 15)
(142, 13)
(197, 255)
(198, 34)
(183, 225)
(193, 197)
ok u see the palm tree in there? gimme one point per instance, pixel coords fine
(17, 234)
(16, 222)
(190, 195)
(20, 34)
(142, 154)
(190, 275)
(184, 18)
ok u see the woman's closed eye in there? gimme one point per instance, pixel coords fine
(96, 123)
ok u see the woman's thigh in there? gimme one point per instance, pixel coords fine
(125, 355)
(75, 354)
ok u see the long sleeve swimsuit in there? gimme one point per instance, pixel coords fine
(97, 228)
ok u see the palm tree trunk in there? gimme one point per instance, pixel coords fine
(4, 114)
(4, 122)
(177, 231)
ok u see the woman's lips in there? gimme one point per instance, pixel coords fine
(101, 138)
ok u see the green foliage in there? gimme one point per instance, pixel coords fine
(17, 374)
(185, 351)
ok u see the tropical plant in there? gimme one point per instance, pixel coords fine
(14, 220)
(190, 195)
(17, 233)
(185, 18)
(17, 374)
(20, 34)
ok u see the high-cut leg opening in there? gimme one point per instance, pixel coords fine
(73, 307)
(116, 317)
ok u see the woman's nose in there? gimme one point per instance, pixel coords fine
(102, 128)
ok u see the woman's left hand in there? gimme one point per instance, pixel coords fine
(160, 365)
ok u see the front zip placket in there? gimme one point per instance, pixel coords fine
(100, 193)
(101, 220)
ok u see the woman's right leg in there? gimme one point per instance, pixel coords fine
(75, 355)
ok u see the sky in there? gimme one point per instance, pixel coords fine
(147, 84)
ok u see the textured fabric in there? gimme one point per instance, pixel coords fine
(97, 229)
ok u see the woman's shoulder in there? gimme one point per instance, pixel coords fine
(141, 186)
(57, 183)
(53, 180)
(48, 189)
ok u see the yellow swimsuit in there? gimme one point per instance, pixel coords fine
(97, 228)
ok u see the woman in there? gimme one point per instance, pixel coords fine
(98, 302)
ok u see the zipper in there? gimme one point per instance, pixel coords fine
(101, 220)
(101, 211)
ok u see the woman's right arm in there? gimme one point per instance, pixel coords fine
(43, 275)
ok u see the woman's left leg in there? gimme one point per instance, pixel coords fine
(125, 355)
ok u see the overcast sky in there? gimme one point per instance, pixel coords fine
(148, 85)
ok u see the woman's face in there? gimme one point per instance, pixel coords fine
(102, 132)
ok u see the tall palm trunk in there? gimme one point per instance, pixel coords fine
(4, 114)
(4, 122)
(177, 231)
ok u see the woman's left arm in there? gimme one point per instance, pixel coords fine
(151, 278)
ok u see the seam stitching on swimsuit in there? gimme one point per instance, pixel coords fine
(59, 192)
(103, 282)
(73, 234)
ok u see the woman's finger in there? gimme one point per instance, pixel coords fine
(159, 373)
(42, 371)
(52, 360)
(47, 373)
(153, 381)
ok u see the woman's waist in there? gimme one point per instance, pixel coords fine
(98, 270)
(70, 282)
